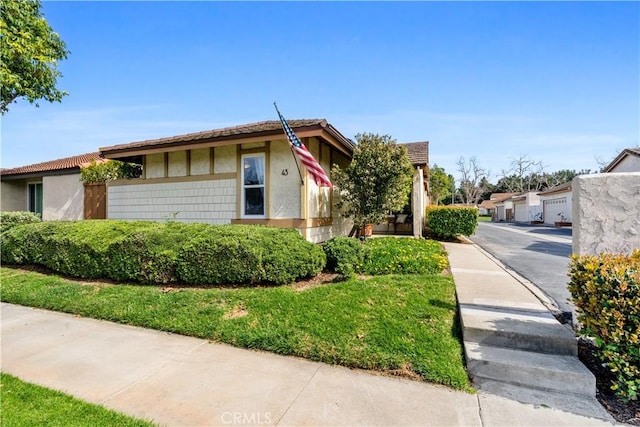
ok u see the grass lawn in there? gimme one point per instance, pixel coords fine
(484, 219)
(401, 324)
(25, 404)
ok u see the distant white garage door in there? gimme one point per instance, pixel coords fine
(554, 209)
(522, 213)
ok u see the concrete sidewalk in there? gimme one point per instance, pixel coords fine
(177, 380)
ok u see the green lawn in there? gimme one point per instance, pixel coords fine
(25, 404)
(402, 324)
(484, 219)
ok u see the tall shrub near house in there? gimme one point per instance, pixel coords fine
(377, 180)
(606, 292)
(109, 170)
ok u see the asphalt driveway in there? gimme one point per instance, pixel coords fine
(538, 253)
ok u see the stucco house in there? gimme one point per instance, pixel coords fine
(51, 189)
(503, 206)
(557, 203)
(244, 174)
(526, 207)
(627, 161)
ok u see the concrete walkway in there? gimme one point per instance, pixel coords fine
(177, 380)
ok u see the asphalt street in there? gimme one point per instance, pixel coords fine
(538, 253)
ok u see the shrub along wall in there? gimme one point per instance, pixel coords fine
(449, 221)
(606, 292)
(157, 253)
(385, 255)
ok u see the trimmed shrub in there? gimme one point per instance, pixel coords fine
(606, 292)
(156, 253)
(148, 253)
(8, 220)
(390, 255)
(449, 221)
(344, 255)
(219, 260)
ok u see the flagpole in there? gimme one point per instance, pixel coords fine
(295, 159)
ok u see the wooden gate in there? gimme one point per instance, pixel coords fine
(95, 201)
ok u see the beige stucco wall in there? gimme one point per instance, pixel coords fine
(201, 161)
(13, 196)
(154, 166)
(62, 197)
(606, 213)
(628, 164)
(209, 201)
(177, 163)
(284, 182)
(418, 201)
(224, 159)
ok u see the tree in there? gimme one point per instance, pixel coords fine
(473, 180)
(440, 184)
(109, 170)
(29, 53)
(525, 174)
(376, 182)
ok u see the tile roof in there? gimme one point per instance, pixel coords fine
(418, 152)
(500, 197)
(619, 157)
(53, 165)
(270, 127)
(557, 189)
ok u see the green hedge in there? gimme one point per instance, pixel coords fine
(8, 220)
(606, 292)
(449, 221)
(158, 253)
(385, 255)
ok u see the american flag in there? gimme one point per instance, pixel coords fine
(307, 159)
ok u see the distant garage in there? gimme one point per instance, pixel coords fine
(557, 204)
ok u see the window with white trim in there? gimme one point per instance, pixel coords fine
(253, 186)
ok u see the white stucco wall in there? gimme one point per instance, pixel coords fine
(606, 213)
(629, 164)
(62, 197)
(13, 196)
(209, 201)
(284, 182)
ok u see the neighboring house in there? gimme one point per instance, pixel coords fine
(627, 161)
(239, 175)
(503, 206)
(403, 223)
(51, 189)
(557, 203)
(526, 207)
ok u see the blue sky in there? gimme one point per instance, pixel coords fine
(557, 81)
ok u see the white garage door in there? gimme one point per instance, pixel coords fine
(553, 209)
(522, 213)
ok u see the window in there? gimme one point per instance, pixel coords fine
(35, 198)
(253, 179)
